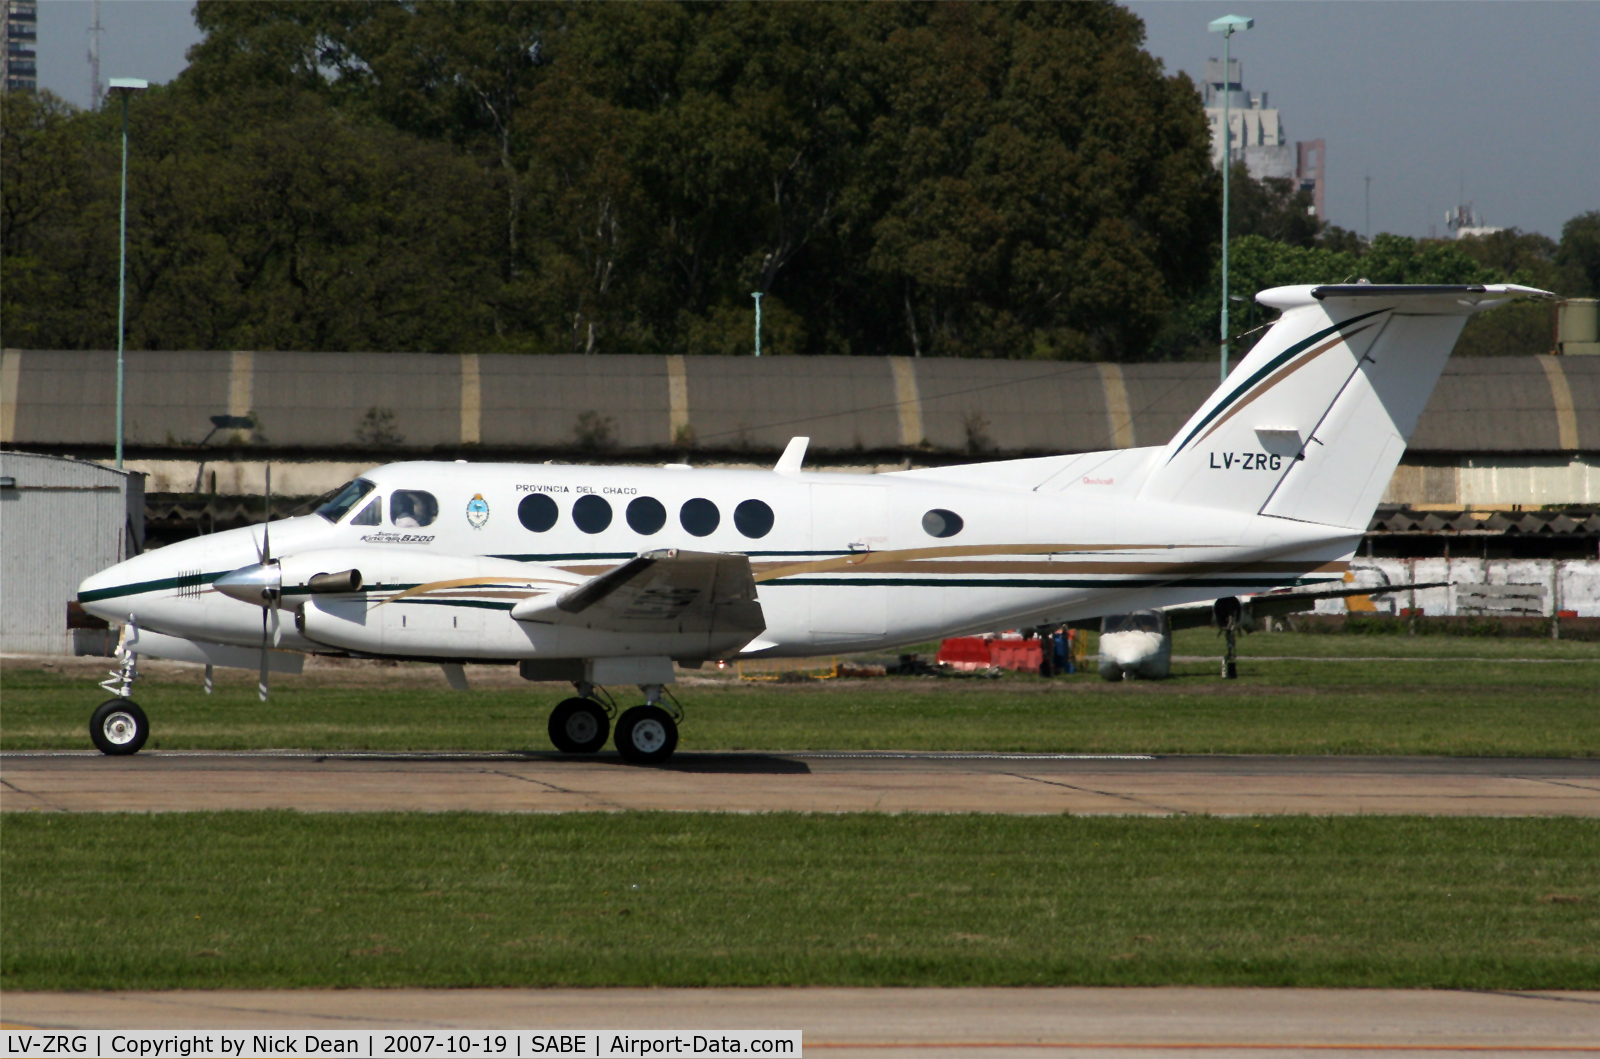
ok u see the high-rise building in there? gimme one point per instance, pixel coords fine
(1256, 135)
(19, 67)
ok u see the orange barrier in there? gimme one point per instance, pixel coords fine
(975, 652)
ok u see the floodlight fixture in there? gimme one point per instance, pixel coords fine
(1226, 25)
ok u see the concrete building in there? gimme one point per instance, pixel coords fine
(61, 520)
(1256, 135)
(1466, 222)
(19, 68)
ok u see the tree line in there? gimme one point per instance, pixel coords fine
(1017, 180)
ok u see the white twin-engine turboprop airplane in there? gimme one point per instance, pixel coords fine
(609, 575)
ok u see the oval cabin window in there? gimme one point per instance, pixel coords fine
(591, 514)
(700, 517)
(537, 512)
(942, 523)
(646, 515)
(753, 518)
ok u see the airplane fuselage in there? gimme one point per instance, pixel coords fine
(841, 561)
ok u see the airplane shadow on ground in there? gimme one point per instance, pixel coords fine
(733, 764)
(727, 763)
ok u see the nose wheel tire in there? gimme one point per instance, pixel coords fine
(119, 727)
(579, 726)
(646, 735)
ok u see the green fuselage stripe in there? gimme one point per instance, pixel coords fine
(137, 587)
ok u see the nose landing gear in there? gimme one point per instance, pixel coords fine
(118, 726)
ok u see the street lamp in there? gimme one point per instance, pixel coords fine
(1227, 25)
(124, 87)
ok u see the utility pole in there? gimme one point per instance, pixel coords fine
(757, 296)
(124, 87)
(1369, 206)
(1227, 25)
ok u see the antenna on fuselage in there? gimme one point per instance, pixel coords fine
(793, 456)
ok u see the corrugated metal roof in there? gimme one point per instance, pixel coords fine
(308, 403)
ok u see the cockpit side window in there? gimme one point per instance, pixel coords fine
(411, 508)
(371, 515)
(346, 498)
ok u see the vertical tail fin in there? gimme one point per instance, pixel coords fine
(1312, 423)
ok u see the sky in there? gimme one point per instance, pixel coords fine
(1432, 99)
(1426, 97)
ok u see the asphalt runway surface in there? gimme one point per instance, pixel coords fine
(886, 1022)
(1130, 785)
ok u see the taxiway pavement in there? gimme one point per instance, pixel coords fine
(886, 1022)
(174, 781)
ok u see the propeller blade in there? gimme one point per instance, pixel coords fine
(266, 525)
(266, 642)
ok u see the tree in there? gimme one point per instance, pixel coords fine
(1273, 208)
(1578, 256)
(1017, 180)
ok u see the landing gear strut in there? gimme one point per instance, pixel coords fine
(1228, 615)
(648, 734)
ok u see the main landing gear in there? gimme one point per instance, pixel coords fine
(646, 735)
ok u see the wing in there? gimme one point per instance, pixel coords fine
(664, 591)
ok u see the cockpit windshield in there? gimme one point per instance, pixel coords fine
(345, 499)
(1139, 621)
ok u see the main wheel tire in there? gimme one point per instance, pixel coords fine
(118, 727)
(579, 726)
(646, 735)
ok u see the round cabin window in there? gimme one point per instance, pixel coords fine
(753, 518)
(700, 517)
(646, 515)
(537, 512)
(591, 514)
(942, 523)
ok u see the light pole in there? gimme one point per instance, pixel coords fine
(1227, 25)
(124, 87)
(757, 296)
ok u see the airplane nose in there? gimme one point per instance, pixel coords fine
(258, 583)
(97, 594)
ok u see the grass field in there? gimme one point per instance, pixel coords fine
(279, 899)
(1480, 703)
